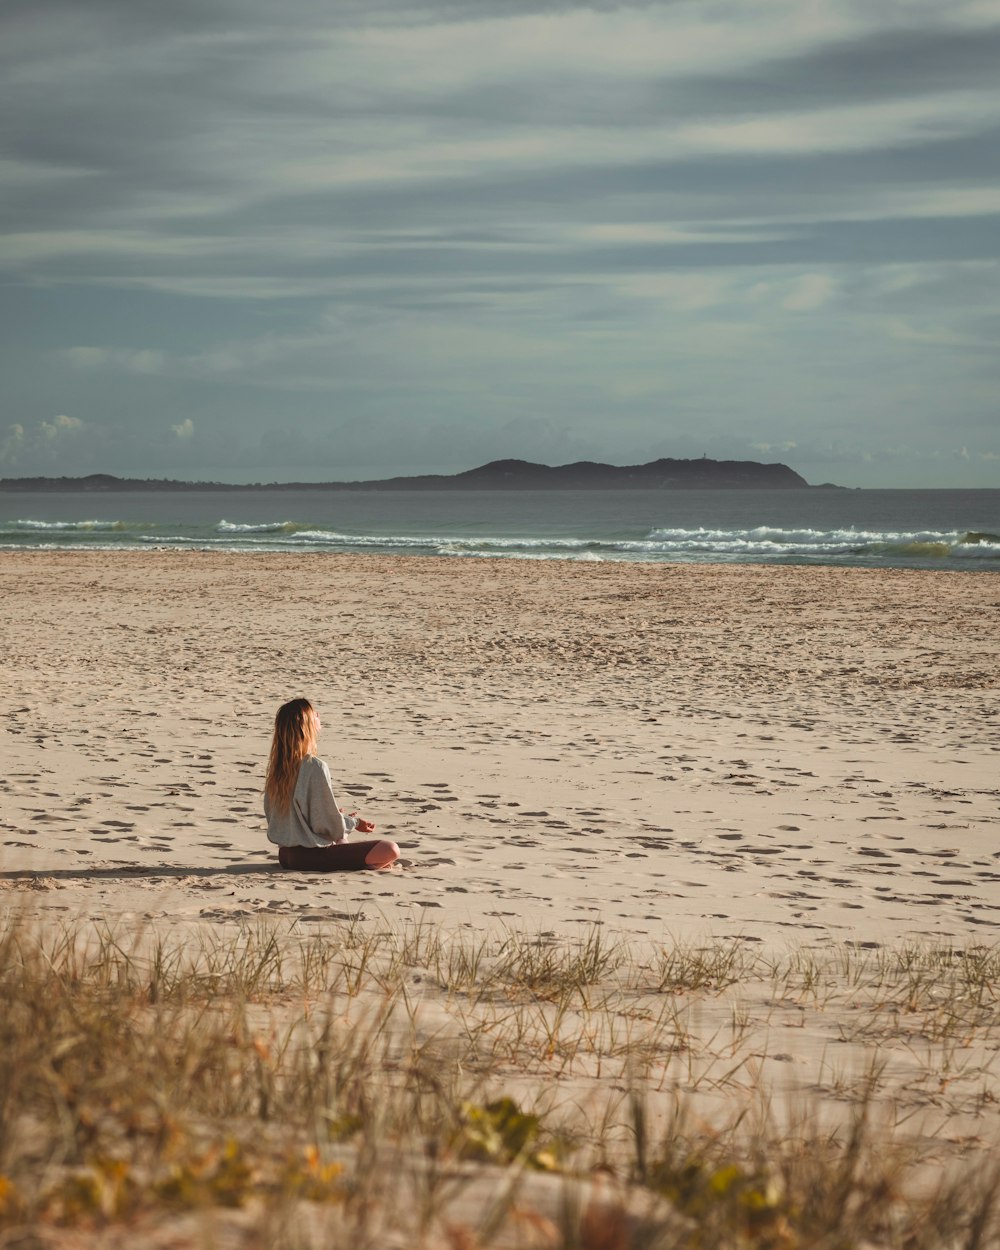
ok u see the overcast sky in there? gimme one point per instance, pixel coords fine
(351, 238)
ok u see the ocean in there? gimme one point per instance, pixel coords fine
(939, 529)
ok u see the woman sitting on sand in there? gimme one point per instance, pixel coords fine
(302, 814)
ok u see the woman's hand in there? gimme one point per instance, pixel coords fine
(362, 825)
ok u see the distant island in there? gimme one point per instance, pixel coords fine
(703, 474)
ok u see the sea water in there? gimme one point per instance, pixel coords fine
(942, 529)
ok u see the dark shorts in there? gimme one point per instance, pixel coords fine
(337, 857)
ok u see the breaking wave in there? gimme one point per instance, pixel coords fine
(837, 545)
(262, 527)
(57, 526)
(761, 544)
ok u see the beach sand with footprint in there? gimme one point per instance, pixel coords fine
(777, 754)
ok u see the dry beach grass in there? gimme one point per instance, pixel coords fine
(695, 944)
(261, 1088)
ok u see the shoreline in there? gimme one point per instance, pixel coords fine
(960, 568)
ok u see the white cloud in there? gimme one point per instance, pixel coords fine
(402, 152)
(683, 291)
(144, 361)
(810, 291)
(15, 174)
(937, 336)
(12, 444)
(59, 426)
(767, 448)
(88, 357)
(655, 232)
(22, 248)
(45, 439)
(184, 430)
(843, 128)
(628, 41)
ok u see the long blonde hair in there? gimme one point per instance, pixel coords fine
(296, 727)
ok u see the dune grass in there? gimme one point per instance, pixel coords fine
(382, 1086)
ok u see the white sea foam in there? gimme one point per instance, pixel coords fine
(974, 551)
(452, 543)
(262, 527)
(768, 541)
(575, 537)
(69, 525)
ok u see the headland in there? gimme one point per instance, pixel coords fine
(663, 474)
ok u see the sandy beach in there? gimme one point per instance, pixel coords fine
(781, 754)
(716, 842)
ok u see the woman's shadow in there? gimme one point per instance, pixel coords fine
(265, 867)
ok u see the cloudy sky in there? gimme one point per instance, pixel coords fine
(351, 238)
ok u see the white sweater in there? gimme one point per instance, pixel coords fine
(313, 817)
